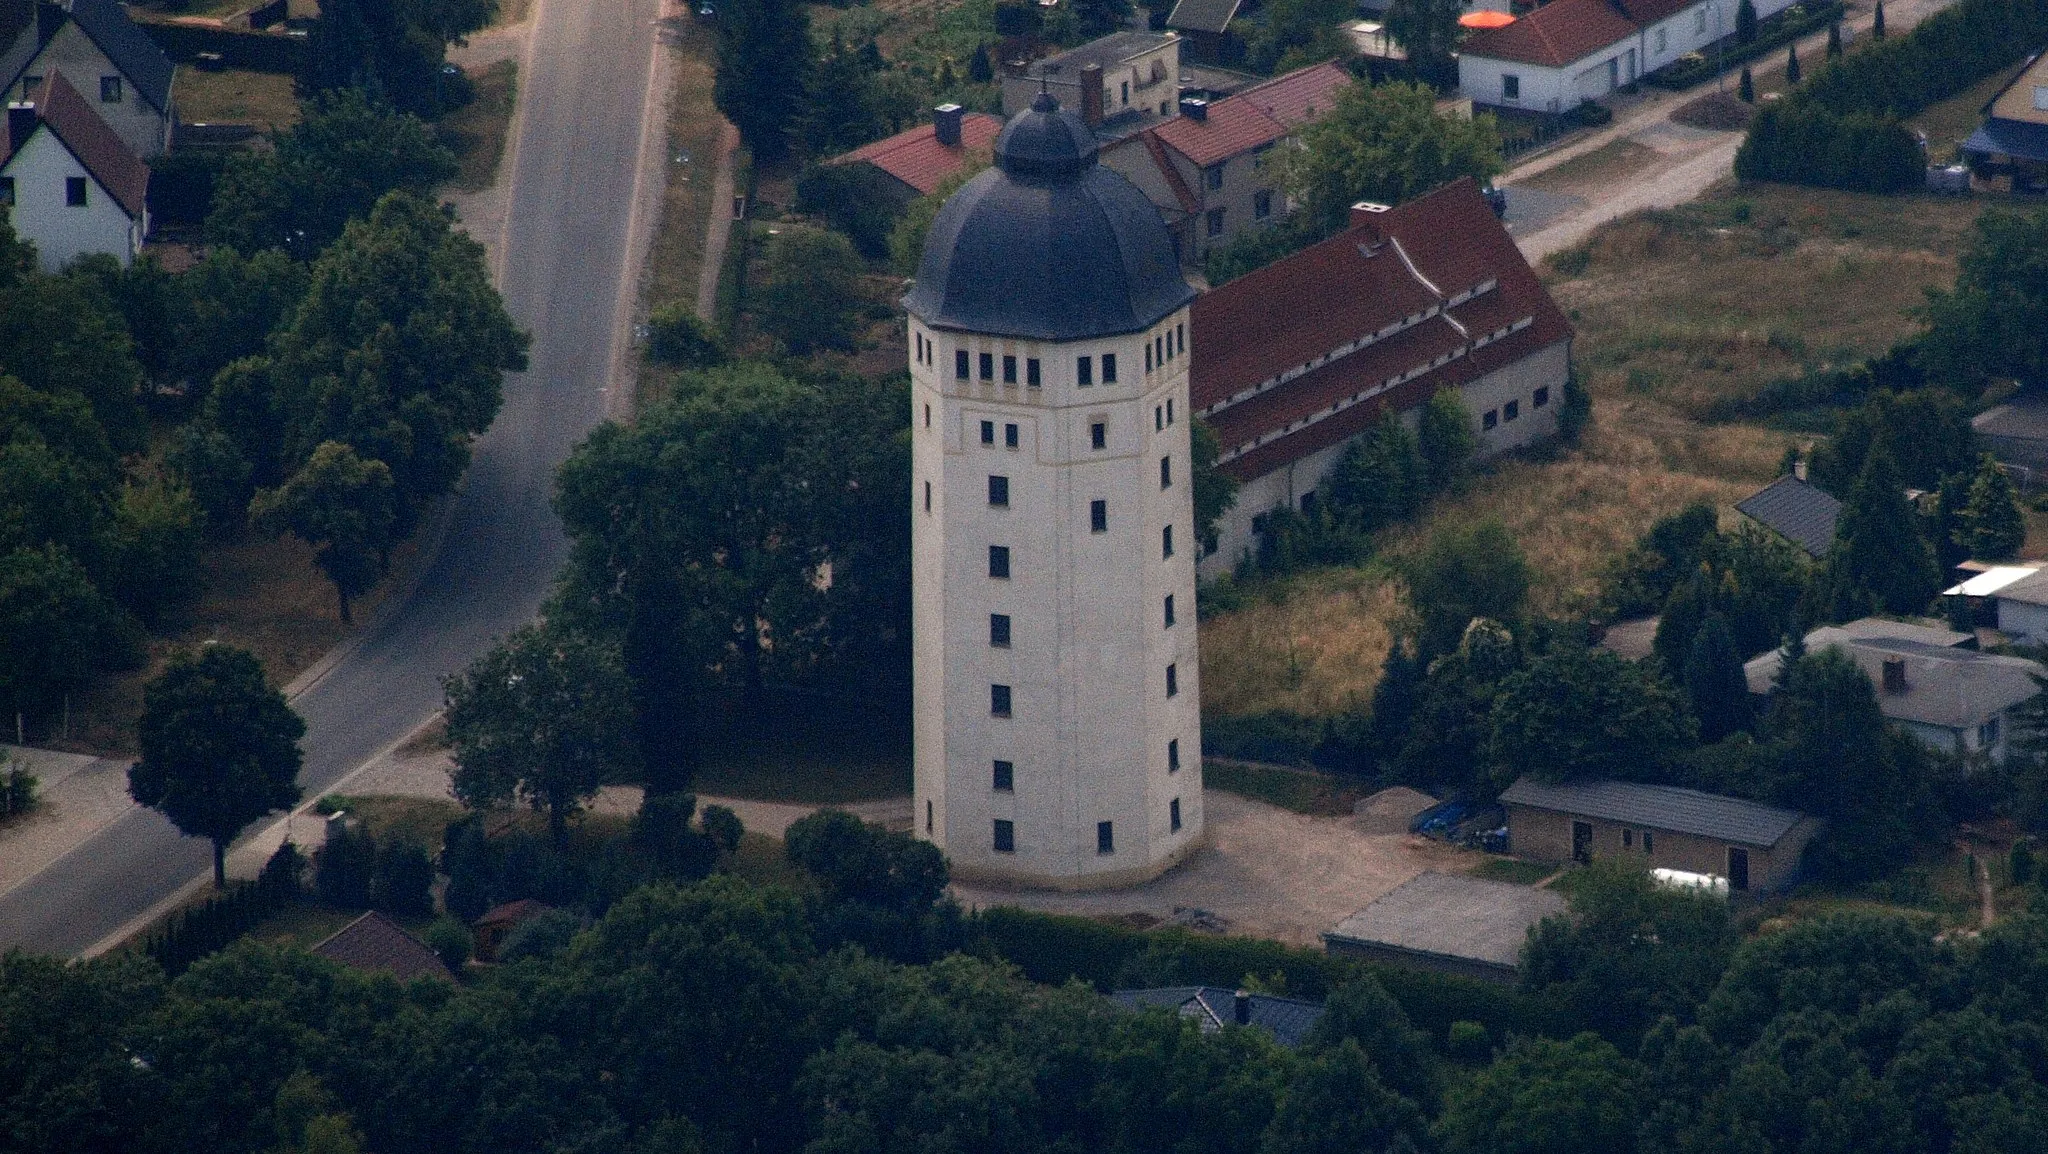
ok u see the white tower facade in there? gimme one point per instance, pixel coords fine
(1057, 721)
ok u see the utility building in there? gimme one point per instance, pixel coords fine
(1057, 719)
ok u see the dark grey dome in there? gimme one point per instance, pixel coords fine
(1048, 245)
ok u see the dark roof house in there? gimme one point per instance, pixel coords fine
(375, 942)
(1288, 1019)
(1802, 513)
(1210, 16)
(129, 47)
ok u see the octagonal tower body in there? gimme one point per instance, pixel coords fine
(1057, 701)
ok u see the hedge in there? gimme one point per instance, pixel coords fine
(1841, 128)
(1056, 948)
(257, 51)
(197, 931)
(1772, 34)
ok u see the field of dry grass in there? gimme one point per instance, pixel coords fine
(1677, 312)
(477, 131)
(695, 130)
(265, 99)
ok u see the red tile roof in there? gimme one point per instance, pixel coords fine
(915, 156)
(375, 942)
(1167, 172)
(1234, 125)
(1299, 96)
(105, 155)
(1648, 12)
(1391, 282)
(1554, 35)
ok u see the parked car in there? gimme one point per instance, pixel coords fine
(1496, 199)
(1439, 820)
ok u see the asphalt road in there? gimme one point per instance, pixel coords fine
(582, 107)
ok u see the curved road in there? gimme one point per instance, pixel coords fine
(583, 97)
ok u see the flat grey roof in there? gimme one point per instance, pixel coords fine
(1761, 671)
(1801, 513)
(1452, 916)
(1663, 807)
(1111, 49)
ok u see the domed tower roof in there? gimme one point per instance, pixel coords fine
(1048, 244)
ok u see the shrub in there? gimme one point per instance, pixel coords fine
(542, 936)
(17, 789)
(452, 941)
(343, 868)
(677, 336)
(403, 880)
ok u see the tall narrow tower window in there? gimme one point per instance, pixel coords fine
(999, 491)
(1084, 370)
(1166, 472)
(1169, 610)
(1172, 680)
(1009, 436)
(927, 496)
(1165, 532)
(1105, 837)
(988, 366)
(1009, 370)
(1173, 814)
(1031, 377)
(1098, 516)
(1173, 755)
(1148, 358)
(999, 562)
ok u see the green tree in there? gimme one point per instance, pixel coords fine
(1215, 490)
(1446, 745)
(1947, 532)
(1379, 479)
(1388, 143)
(341, 505)
(1988, 325)
(1298, 33)
(1338, 1104)
(1098, 18)
(811, 297)
(1745, 89)
(1792, 63)
(399, 350)
(544, 716)
(858, 862)
(392, 49)
(1577, 714)
(56, 629)
(403, 880)
(1465, 571)
(1878, 536)
(1360, 1012)
(1877, 22)
(1714, 682)
(1993, 520)
(1428, 31)
(220, 748)
(155, 548)
(1745, 22)
(764, 66)
(348, 152)
(1835, 41)
(1630, 951)
(1445, 439)
(68, 1079)
(677, 336)
(228, 304)
(1543, 1096)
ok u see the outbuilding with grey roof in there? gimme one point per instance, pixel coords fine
(1753, 845)
(1448, 922)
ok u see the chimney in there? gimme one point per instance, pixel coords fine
(1799, 469)
(1894, 675)
(1243, 1007)
(1091, 94)
(946, 125)
(21, 120)
(1365, 210)
(1194, 108)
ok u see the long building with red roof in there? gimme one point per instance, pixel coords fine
(1290, 363)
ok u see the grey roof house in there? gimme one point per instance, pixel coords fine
(1449, 923)
(2023, 608)
(1796, 510)
(375, 942)
(1761, 671)
(1954, 699)
(1752, 845)
(1288, 1019)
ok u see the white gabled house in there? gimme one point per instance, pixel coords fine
(111, 60)
(69, 183)
(1570, 51)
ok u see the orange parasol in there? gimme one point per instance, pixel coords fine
(1485, 19)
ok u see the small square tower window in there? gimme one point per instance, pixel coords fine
(1542, 397)
(1489, 419)
(1109, 368)
(1009, 370)
(960, 363)
(1098, 516)
(1031, 372)
(1084, 370)
(988, 432)
(988, 366)
(1511, 410)
(110, 89)
(1009, 436)
(1006, 836)
(1098, 435)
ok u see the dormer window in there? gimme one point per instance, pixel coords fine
(110, 89)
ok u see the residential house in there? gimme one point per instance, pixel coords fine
(1571, 51)
(916, 161)
(1123, 83)
(1929, 681)
(1450, 923)
(375, 942)
(1206, 25)
(95, 44)
(1752, 845)
(2023, 608)
(70, 184)
(1798, 511)
(1289, 1020)
(1210, 169)
(1293, 361)
(2009, 152)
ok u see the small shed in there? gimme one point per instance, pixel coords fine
(1213, 1007)
(1755, 846)
(501, 920)
(1447, 922)
(1800, 512)
(375, 942)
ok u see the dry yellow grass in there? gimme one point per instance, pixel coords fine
(265, 99)
(1676, 312)
(476, 132)
(1312, 644)
(695, 130)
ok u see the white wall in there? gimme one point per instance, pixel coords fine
(1286, 485)
(73, 53)
(2023, 622)
(64, 232)
(1089, 650)
(1542, 89)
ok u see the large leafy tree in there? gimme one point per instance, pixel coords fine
(1215, 490)
(1387, 143)
(391, 49)
(1466, 571)
(56, 629)
(341, 505)
(220, 748)
(1878, 536)
(1428, 31)
(1989, 325)
(1992, 518)
(1544, 1096)
(1577, 714)
(330, 168)
(399, 350)
(1714, 681)
(764, 66)
(811, 297)
(544, 716)
(1338, 1103)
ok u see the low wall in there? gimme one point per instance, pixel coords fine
(184, 41)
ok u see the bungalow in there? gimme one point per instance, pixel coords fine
(1289, 1020)
(375, 943)
(1929, 682)
(1754, 846)
(2023, 608)
(95, 43)
(1798, 511)
(1292, 362)
(2009, 152)
(69, 184)
(916, 161)
(1571, 51)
